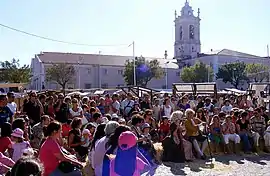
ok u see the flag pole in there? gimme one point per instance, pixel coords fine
(134, 64)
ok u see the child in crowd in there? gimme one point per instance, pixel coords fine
(66, 128)
(86, 139)
(92, 128)
(164, 127)
(19, 145)
(146, 133)
(127, 154)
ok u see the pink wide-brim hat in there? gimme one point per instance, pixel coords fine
(17, 133)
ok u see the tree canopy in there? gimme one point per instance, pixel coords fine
(145, 71)
(257, 72)
(197, 73)
(233, 73)
(12, 72)
(61, 73)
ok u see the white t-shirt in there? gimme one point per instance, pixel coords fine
(127, 105)
(12, 106)
(226, 109)
(167, 111)
(77, 113)
(98, 155)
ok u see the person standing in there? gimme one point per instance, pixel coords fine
(33, 109)
(61, 109)
(5, 113)
(11, 104)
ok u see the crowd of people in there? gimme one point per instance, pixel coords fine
(117, 134)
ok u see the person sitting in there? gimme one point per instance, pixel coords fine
(243, 129)
(227, 108)
(177, 118)
(228, 130)
(267, 138)
(164, 128)
(257, 127)
(173, 150)
(193, 132)
(215, 132)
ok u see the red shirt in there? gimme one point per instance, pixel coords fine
(47, 156)
(5, 143)
(165, 128)
(65, 130)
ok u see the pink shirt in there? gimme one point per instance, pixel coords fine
(6, 161)
(139, 167)
(47, 155)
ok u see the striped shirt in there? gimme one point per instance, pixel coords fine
(258, 124)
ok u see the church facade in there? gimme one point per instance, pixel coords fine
(187, 43)
(187, 46)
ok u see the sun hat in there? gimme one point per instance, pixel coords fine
(17, 133)
(127, 140)
(86, 131)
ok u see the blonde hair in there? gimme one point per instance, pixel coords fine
(189, 111)
(176, 115)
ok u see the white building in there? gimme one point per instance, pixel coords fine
(187, 46)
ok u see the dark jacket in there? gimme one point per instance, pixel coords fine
(172, 152)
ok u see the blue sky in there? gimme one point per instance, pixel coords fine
(241, 25)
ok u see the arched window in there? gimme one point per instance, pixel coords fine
(191, 31)
(181, 32)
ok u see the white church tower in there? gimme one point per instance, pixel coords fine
(187, 33)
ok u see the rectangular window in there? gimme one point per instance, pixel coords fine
(105, 71)
(164, 87)
(87, 86)
(104, 86)
(120, 72)
(89, 71)
(178, 73)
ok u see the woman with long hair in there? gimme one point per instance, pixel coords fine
(99, 133)
(76, 110)
(112, 145)
(177, 118)
(51, 154)
(173, 150)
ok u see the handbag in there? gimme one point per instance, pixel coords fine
(66, 167)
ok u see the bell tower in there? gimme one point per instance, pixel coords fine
(187, 43)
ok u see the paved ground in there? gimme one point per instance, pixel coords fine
(248, 165)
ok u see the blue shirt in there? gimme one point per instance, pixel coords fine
(5, 114)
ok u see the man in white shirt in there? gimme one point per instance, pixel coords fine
(227, 108)
(127, 104)
(11, 104)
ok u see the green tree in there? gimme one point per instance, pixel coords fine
(62, 74)
(233, 73)
(12, 72)
(145, 71)
(197, 73)
(257, 72)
